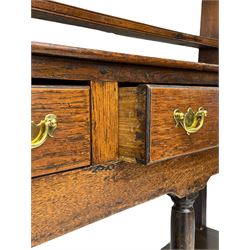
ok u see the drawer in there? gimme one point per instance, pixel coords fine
(70, 145)
(147, 128)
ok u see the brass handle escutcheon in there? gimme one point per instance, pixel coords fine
(41, 131)
(191, 122)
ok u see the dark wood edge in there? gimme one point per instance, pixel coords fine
(99, 55)
(62, 13)
(200, 207)
(61, 86)
(207, 238)
(160, 86)
(148, 124)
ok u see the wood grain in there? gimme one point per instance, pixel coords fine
(147, 132)
(70, 146)
(165, 139)
(66, 201)
(107, 56)
(132, 122)
(204, 239)
(209, 28)
(183, 223)
(200, 207)
(104, 116)
(65, 68)
(62, 13)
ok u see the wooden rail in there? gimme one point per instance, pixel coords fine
(39, 48)
(51, 61)
(59, 207)
(62, 13)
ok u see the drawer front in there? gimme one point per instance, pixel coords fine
(70, 145)
(148, 131)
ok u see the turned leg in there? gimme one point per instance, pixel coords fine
(188, 224)
(183, 223)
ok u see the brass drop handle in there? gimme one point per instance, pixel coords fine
(41, 131)
(191, 122)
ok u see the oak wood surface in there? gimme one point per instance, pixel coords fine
(70, 146)
(104, 116)
(66, 201)
(147, 131)
(62, 13)
(200, 207)
(204, 239)
(183, 223)
(65, 68)
(209, 28)
(132, 115)
(207, 238)
(107, 56)
(165, 139)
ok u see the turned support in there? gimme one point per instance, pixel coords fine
(183, 223)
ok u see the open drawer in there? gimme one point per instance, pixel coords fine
(148, 116)
(70, 145)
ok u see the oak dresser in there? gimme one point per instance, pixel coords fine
(112, 130)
